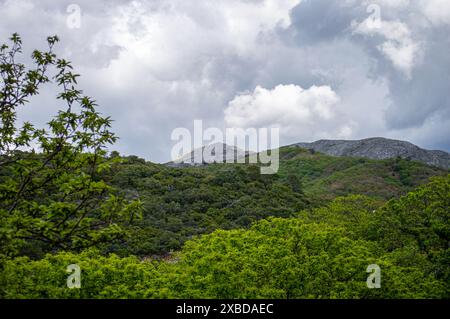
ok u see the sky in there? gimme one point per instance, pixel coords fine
(317, 69)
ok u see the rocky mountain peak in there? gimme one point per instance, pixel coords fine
(379, 148)
(212, 153)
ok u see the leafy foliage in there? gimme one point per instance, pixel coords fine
(420, 219)
(326, 177)
(275, 258)
(181, 203)
(50, 190)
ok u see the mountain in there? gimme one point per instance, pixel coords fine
(213, 153)
(184, 200)
(379, 148)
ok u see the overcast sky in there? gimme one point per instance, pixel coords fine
(317, 69)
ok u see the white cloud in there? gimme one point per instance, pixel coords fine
(152, 65)
(301, 113)
(177, 40)
(388, 3)
(437, 11)
(398, 45)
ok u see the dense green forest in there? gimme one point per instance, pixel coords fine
(320, 253)
(180, 203)
(142, 230)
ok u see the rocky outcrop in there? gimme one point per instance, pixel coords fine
(379, 148)
(214, 153)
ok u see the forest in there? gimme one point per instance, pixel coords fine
(138, 229)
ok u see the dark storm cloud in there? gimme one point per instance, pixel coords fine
(427, 92)
(314, 21)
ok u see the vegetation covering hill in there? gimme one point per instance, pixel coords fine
(179, 203)
(325, 177)
(321, 253)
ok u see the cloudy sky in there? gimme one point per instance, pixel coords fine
(315, 68)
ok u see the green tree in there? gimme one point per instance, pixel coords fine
(288, 258)
(419, 219)
(51, 191)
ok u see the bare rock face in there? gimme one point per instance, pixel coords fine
(379, 148)
(213, 153)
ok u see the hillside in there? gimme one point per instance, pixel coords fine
(325, 177)
(379, 148)
(179, 203)
(321, 253)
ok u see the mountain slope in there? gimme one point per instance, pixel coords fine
(379, 148)
(183, 202)
(324, 177)
(319, 253)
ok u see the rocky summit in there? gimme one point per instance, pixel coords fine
(379, 148)
(213, 153)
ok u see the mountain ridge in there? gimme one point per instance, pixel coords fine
(379, 148)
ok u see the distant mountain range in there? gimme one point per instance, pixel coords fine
(373, 148)
(379, 148)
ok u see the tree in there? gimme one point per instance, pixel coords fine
(51, 191)
(295, 183)
(419, 219)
